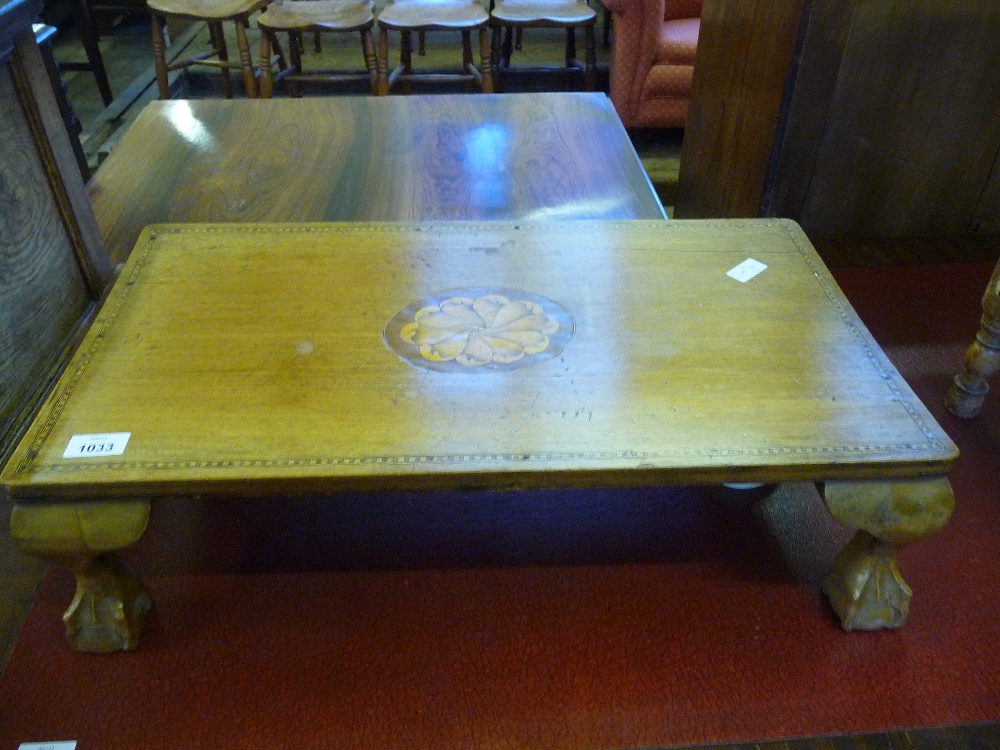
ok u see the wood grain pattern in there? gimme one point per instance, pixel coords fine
(908, 145)
(744, 57)
(509, 157)
(824, 40)
(43, 293)
(986, 218)
(52, 142)
(676, 373)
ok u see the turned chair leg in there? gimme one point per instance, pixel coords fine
(371, 59)
(590, 58)
(246, 62)
(218, 41)
(982, 361)
(486, 60)
(266, 78)
(382, 61)
(295, 61)
(159, 55)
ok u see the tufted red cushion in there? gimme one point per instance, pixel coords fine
(653, 60)
(678, 42)
(668, 81)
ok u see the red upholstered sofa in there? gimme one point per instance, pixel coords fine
(652, 61)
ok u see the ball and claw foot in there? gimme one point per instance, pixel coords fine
(107, 611)
(865, 587)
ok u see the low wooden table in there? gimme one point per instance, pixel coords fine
(422, 158)
(256, 359)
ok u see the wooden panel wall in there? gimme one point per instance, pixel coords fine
(745, 50)
(986, 218)
(911, 95)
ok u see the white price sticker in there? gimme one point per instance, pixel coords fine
(746, 270)
(67, 745)
(94, 446)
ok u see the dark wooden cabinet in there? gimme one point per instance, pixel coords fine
(856, 118)
(53, 265)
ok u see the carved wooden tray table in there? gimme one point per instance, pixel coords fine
(267, 358)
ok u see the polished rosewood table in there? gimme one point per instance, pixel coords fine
(490, 157)
(272, 359)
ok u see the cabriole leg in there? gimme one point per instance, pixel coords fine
(107, 611)
(865, 586)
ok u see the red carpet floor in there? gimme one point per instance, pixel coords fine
(543, 620)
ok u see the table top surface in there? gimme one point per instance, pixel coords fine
(263, 358)
(362, 158)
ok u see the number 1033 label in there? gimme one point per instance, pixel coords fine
(94, 446)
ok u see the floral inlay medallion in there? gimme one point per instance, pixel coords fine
(479, 330)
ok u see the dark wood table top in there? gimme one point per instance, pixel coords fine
(445, 157)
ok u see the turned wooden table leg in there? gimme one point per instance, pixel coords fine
(965, 399)
(865, 586)
(107, 611)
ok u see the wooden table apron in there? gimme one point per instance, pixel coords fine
(324, 357)
(421, 158)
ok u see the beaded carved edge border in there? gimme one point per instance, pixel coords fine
(107, 318)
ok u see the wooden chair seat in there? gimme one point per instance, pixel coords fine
(325, 15)
(426, 16)
(297, 17)
(544, 12)
(407, 16)
(214, 13)
(204, 10)
(509, 17)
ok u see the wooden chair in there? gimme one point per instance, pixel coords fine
(298, 17)
(214, 13)
(408, 16)
(509, 17)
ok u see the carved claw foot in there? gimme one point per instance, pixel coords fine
(107, 612)
(865, 586)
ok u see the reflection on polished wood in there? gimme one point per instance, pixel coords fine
(505, 157)
(251, 359)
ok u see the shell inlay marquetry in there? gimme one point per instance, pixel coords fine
(479, 330)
